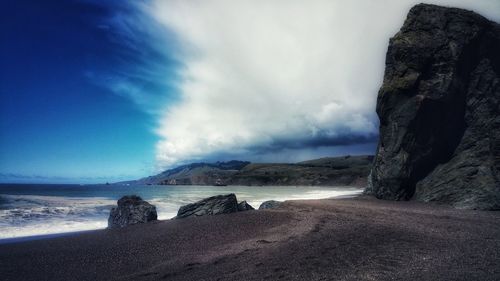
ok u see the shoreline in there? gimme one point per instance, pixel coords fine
(21, 239)
(49, 217)
(358, 238)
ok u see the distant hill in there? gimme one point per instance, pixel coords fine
(196, 173)
(346, 170)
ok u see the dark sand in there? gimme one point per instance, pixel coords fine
(343, 239)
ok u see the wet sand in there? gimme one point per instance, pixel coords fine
(334, 239)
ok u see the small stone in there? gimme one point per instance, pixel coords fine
(271, 204)
(244, 206)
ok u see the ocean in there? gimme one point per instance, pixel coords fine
(42, 209)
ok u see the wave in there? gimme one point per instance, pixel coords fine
(26, 215)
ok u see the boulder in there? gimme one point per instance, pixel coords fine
(271, 204)
(244, 206)
(131, 209)
(439, 111)
(220, 204)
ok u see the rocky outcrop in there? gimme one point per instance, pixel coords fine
(215, 205)
(131, 210)
(439, 111)
(244, 206)
(271, 204)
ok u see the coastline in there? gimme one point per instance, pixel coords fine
(21, 239)
(39, 210)
(350, 238)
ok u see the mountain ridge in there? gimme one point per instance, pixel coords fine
(345, 170)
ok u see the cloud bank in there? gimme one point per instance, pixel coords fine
(268, 79)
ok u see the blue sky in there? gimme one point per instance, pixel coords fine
(95, 91)
(60, 116)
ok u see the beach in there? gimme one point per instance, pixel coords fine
(330, 239)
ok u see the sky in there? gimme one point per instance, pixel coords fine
(95, 91)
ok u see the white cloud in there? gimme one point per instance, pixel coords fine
(261, 71)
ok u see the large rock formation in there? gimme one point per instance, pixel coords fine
(439, 111)
(131, 210)
(215, 205)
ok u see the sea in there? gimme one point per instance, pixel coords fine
(31, 210)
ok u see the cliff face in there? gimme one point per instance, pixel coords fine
(439, 111)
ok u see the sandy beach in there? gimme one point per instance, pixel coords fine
(333, 239)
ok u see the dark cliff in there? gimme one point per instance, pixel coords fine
(439, 111)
